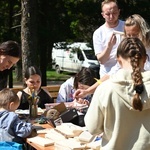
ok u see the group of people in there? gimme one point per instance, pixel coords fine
(118, 104)
(121, 96)
(10, 124)
(10, 54)
(17, 129)
(134, 26)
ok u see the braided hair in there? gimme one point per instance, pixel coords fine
(134, 49)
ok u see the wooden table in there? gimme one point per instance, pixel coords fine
(38, 147)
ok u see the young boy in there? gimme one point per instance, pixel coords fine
(9, 120)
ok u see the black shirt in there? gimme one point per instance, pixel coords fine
(44, 98)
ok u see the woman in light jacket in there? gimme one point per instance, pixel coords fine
(121, 105)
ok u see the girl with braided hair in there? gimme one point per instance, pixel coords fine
(121, 104)
(133, 50)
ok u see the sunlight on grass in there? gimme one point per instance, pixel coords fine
(53, 75)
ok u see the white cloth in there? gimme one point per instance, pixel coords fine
(111, 112)
(101, 37)
(66, 91)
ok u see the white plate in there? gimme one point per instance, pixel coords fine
(26, 111)
(21, 112)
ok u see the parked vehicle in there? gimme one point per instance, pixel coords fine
(71, 57)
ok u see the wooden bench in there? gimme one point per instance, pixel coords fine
(53, 90)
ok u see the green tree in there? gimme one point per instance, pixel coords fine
(45, 22)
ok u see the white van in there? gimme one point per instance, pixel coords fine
(72, 57)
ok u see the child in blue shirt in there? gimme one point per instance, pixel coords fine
(9, 120)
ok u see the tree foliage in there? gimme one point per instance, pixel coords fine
(56, 21)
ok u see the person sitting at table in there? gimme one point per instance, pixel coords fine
(82, 80)
(33, 84)
(12, 127)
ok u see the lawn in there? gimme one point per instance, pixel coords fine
(53, 75)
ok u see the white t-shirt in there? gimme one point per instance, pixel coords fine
(66, 91)
(101, 37)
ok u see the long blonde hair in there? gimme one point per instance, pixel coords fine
(144, 34)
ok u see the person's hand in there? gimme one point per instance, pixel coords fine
(112, 41)
(81, 104)
(82, 101)
(79, 93)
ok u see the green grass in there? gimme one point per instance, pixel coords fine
(53, 75)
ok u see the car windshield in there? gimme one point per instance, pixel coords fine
(90, 54)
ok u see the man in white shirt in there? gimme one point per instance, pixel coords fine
(105, 42)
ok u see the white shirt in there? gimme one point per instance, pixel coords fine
(66, 91)
(101, 37)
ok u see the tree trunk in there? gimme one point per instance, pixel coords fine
(29, 34)
(10, 33)
(43, 38)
